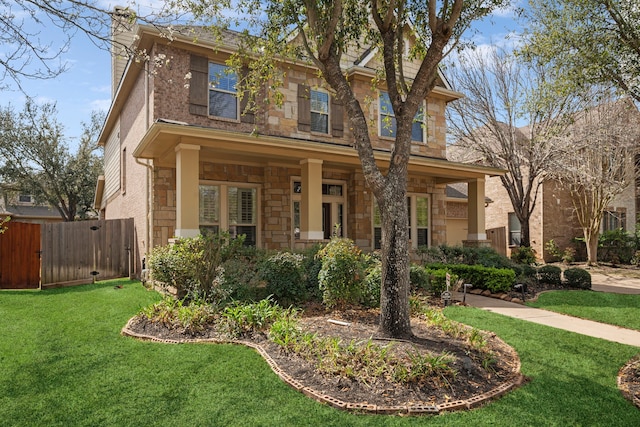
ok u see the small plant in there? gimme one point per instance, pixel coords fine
(567, 256)
(372, 283)
(577, 278)
(240, 319)
(524, 255)
(193, 318)
(550, 274)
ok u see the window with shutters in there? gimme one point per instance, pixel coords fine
(387, 119)
(223, 99)
(229, 208)
(319, 112)
(210, 208)
(418, 215)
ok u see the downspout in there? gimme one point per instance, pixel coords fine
(148, 164)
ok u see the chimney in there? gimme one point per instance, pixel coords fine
(122, 32)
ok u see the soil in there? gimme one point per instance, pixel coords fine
(471, 385)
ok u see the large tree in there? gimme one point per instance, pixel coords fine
(326, 30)
(35, 159)
(596, 162)
(587, 41)
(507, 120)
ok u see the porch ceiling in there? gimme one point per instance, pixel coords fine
(161, 139)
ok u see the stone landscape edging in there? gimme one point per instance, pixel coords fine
(414, 409)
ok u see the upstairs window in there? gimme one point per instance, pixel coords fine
(223, 100)
(319, 112)
(25, 198)
(388, 125)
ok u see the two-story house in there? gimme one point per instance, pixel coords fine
(181, 157)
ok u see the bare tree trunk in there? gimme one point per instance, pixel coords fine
(394, 294)
(591, 240)
(526, 233)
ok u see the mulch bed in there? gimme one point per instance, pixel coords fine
(472, 386)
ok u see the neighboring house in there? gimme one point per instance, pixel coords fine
(457, 212)
(184, 159)
(553, 217)
(23, 208)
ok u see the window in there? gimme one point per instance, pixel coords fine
(418, 216)
(614, 220)
(319, 112)
(210, 208)
(515, 231)
(223, 101)
(25, 198)
(388, 120)
(242, 214)
(231, 208)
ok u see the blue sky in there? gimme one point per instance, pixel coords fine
(86, 85)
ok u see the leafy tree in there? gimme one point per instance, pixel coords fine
(35, 159)
(587, 41)
(501, 94)
(596, 162)
(325, 30)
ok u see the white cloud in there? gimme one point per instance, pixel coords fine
(100, 104)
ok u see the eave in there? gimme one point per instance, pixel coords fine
(161, 140)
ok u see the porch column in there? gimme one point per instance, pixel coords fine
(311, 202)
(187, 193)
(476, 231)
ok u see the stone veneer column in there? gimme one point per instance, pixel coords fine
(311, 201)
(187, 193)
(476, 231)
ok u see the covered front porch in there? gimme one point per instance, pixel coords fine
(302, 188)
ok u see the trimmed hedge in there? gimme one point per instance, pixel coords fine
(493, 279)
(577, 278)
(550, 274)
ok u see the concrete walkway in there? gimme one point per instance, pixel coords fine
(600, 283)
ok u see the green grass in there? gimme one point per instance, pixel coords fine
(63, 362)
(614, 309)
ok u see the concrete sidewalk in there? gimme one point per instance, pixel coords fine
(555, 320)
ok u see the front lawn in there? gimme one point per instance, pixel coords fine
(614, 309)
(64, 363)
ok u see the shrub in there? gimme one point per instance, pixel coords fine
(550, 274)
(494, 279)
(445, 254)
(418, 277)
(194, 266)
(241, 279)
(371, 285)
(311, 266)
(342, 272)
(438, 280)
(577, 278)
(523, 255)
(616, 247)
(284, 276)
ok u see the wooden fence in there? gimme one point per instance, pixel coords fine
(20, 256)
(79, 252)
(498, 237)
